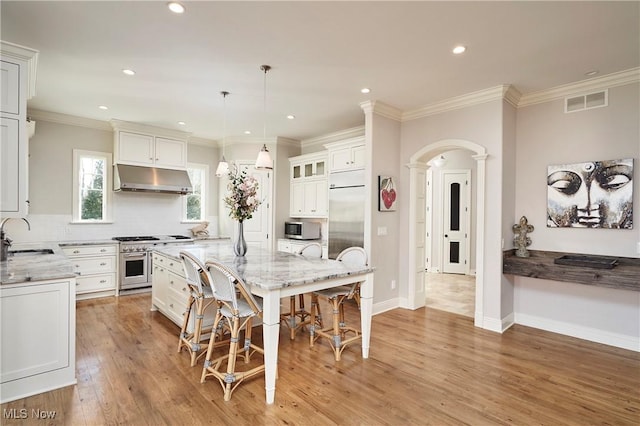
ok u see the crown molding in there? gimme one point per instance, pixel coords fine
(333, 137)
(591, 85)
(209, 143)
(145, 128)
(382, 109)
(458, 102)
(26, 54)
(71, 120)
(512, 95)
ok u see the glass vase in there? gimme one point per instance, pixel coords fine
(239, 244)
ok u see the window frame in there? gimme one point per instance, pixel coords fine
(204, 169)
(107, 187)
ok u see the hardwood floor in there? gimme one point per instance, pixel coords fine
(426, 367)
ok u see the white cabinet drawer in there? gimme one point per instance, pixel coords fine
(175, 309)
(95, 283)
(168, 263)
(74, 251)
(178, 287)
(94, 265)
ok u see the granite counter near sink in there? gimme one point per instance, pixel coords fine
(37, 267)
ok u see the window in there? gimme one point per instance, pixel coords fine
(195, 204)
(91, 186)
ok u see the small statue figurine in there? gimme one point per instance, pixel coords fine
(521, 240)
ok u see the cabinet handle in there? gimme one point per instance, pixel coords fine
(151, 158)
(103, 264)
(171, 264)
(156, 159)
(171, 305)
(76, 251)
(103, 250)
(77, 266)
(103, 281)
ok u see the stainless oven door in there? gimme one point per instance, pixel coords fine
(133, 269)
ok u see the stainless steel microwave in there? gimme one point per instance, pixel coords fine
(302, 230)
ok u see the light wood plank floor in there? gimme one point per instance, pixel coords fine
(426, 367)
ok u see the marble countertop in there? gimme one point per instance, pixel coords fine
(268, 270)
(20, 269)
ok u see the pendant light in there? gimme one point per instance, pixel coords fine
(440, 161)
(264, 158)
(223, 166)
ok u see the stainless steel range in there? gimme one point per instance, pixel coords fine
(135, 258)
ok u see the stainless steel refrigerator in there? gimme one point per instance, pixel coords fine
(346, 210)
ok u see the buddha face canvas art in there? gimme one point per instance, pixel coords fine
(594, 194)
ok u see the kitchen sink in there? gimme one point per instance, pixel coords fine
(29, 252)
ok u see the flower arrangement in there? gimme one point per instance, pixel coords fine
(241, 199)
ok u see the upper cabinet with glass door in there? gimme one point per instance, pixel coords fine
(309, 166)
(308, 189)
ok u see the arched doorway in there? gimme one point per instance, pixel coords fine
(417, 223)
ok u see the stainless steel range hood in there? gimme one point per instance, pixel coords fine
(150, 179)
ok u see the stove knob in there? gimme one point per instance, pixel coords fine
(125, 249)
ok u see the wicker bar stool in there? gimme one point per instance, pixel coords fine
(200, 297)
(339, 334)
(297, 319)
(238, 307)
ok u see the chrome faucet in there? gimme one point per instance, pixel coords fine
(5, 241)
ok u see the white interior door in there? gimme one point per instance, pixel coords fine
(256, 229)
(455, 216)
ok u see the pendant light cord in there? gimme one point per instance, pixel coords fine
(224, 122)
(265, 68)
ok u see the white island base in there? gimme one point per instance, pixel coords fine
(38, 337)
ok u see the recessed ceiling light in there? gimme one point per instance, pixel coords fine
(291, 117)
(591, 73)
(182, 123)
(365, 90)
(104, 107)
(129, 72)
(247, 132)
(458, 50)
(175, 7)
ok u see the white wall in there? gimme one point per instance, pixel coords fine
(383, 137)
(50, 191)
(546, 135)
(482, 125)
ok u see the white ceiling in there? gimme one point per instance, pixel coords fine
(322, 54)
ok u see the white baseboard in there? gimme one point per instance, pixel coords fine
(386, 305)
(587, 333)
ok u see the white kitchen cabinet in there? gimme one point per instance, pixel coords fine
(96, 267)
(346, 155)
(17, 84)
(294, 246)
(149, 150)
(170, 293)
(38, 331)
(308, 186)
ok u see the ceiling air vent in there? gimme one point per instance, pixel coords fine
(586, 101)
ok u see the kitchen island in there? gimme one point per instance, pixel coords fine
(38, 321)
(272, 275)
